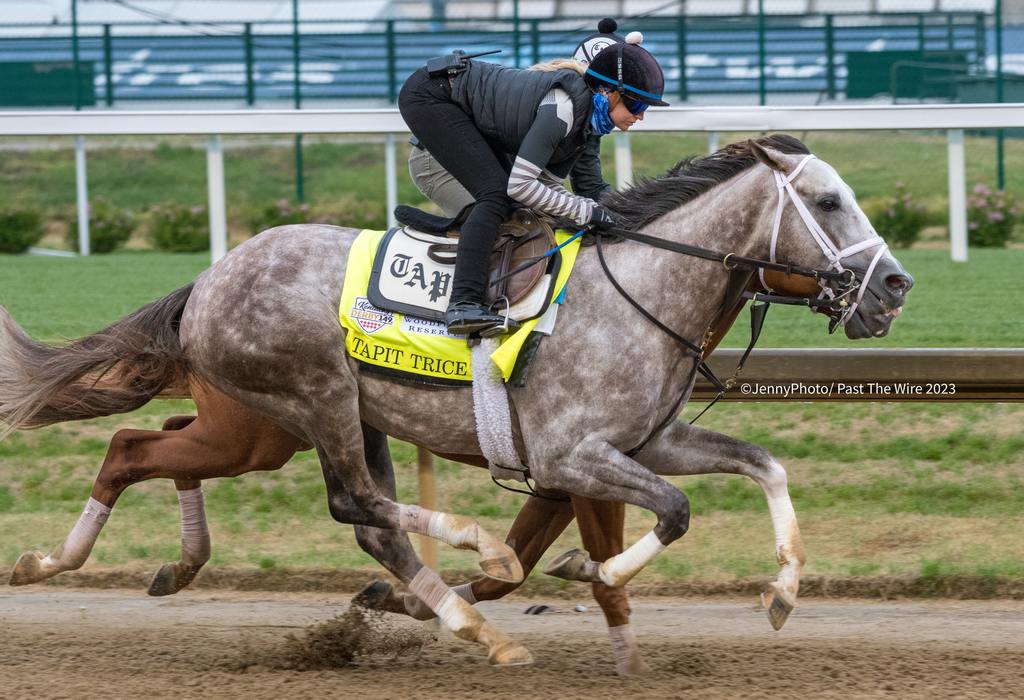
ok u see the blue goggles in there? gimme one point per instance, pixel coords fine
(634, 105)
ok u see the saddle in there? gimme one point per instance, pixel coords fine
(415, 262)
(524, 236)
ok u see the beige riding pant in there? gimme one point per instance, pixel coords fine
(436, 183)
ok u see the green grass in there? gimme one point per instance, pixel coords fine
(56, 298)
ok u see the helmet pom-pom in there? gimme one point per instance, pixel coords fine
(607, 25)
(635, 38)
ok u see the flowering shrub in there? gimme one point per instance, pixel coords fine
(279, 213)
(991, 217)
(177, 228)
(900, 220)
(19, 229)
(109, 227)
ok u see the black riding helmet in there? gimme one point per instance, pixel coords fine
(594, 44)
(629, 69)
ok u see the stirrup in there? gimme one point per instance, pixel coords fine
(508, 325)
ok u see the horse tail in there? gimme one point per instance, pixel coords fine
(115, 370)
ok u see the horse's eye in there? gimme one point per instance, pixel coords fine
(828, 204)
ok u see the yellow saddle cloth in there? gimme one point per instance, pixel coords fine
(418, 348)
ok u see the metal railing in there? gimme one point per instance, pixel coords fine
(953, 119)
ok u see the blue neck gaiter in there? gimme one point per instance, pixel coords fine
(600, 119)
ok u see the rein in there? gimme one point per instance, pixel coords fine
(829, 299)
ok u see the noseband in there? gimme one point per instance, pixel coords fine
(828, 297)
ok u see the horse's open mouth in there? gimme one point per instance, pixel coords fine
(864, 324)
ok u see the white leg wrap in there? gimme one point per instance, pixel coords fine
(419, 610)
(413, 519)
(461, 535)
(783, 520)
(195, 534)
(449, 607)
(787, 533)
(624, 648)
(76, 547)
(465, 591)
(788, 546)
(622, 567)
(457, 531)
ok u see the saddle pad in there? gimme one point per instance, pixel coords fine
(405, 279)
(418, 348)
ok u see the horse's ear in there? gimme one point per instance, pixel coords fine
(776, 160)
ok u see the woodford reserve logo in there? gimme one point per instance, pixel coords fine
(369, 317)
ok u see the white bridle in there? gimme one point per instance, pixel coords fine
(834, 255)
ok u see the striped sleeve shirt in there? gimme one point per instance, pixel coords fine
(530, 183)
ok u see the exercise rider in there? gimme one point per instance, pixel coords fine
(469, 114)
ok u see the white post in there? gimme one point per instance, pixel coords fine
(957, 196)
(713, 141)
(390, 177)
(215, 193)
(623, 160)
(82, 194)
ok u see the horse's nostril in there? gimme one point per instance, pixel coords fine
(899, 283)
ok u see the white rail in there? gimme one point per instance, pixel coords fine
(712, 120)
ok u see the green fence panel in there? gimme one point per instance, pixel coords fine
(46, 84)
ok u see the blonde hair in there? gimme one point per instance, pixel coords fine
(561, 64)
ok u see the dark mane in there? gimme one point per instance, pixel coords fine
(650, 198)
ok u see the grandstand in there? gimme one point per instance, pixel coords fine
(159, 12)
(243, 52)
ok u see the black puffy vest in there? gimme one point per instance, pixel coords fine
(503, 103)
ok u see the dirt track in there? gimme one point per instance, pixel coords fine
(82, 644)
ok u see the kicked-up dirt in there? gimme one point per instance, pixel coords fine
(57, 643)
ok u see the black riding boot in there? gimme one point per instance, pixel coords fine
(467, 312)
(468, 317)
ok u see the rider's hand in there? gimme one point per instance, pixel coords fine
(601, 218)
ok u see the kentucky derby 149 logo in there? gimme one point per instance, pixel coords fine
(368, 316)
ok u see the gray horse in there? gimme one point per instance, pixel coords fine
(262, 327)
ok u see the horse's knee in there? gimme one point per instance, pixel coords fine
(768, 473)
(369, 539)
(675, 521)
(342, 509)
(177, 422)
